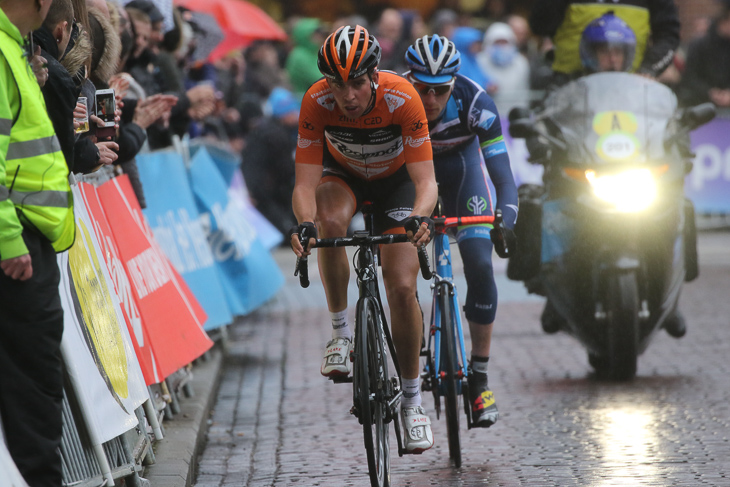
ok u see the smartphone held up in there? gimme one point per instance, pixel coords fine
(105, 106)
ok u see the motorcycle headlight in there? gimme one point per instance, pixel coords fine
(627, 191)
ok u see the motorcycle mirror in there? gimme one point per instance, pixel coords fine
(517, 113)
(698, 115)
(522, 128)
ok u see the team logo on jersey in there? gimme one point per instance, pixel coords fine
(415, 142)
(417, 126)
(476, 204)
(304, 143)
(485, 119)
(393, 102)
(307, 125)
(399, 214)
(327, 101)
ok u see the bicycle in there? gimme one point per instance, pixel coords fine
(445, 373)
(375, 395)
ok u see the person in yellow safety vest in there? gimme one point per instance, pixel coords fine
(36, 221)
(654, 22)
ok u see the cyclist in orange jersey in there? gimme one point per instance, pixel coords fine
(363, 135)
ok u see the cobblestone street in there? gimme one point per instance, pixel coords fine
(277, 422)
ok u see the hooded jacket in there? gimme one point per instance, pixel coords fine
(508, 68)
(60, 93)
(301, 64)
(463, 38)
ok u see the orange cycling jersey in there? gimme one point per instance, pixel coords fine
(374, 145)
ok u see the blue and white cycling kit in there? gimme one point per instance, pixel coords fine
(467, 144)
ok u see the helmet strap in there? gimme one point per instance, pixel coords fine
(373, 89)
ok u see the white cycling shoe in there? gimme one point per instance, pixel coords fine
(336, 360)
(417, 430)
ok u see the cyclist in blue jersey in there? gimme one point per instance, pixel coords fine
(467, 142)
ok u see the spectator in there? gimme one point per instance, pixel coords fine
(264, 70)
(444, 21)
(508, 68)
(301, 63)
(468, 42)
(389, 34)
(195, 103)
(654, 22)
(157, 20)
(523, 37)
(32, 230)
(59, 92)
(268, 160)
(706, 74)
(88, 155)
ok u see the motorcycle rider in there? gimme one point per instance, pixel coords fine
(607, 44)
(465, 130)
(655, 24)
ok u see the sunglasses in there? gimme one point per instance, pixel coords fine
(424, 88)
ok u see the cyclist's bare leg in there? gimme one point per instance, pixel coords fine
(335, 207)
(400, 273)
(481, 338)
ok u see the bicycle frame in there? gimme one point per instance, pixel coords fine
(442, 377)
(444, 282)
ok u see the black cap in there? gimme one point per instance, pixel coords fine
(149, 8)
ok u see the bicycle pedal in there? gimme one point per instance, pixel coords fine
(425, 352)
(341, 379)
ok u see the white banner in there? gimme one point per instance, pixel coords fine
(96, 346)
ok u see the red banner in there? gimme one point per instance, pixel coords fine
(132, 316)
(171, 315)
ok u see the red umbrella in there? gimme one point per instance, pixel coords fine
(241, 21)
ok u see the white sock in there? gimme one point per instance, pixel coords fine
(411, 393)
(340, 327)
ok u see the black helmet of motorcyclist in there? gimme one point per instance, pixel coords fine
(607, 44)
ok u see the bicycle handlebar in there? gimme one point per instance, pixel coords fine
(302, 270)
(455, 221)
(498, 237)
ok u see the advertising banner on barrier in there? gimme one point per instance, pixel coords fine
(173, 216)
(229, 167)
(86, 193)
(96, 345)
(172, 315)
(269, 235)
(250, 274)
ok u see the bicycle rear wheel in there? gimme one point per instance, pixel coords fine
(449, 365)
(371, 386)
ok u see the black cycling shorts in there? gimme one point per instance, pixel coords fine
(392, 197)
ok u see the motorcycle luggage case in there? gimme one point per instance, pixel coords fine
(524, 263)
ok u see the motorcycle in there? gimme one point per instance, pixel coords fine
(609, 237)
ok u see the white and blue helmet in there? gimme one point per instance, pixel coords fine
(433, 59)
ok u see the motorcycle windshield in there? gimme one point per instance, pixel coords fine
(612, 118)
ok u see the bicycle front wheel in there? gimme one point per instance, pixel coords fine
(450, 367)
(370, 381)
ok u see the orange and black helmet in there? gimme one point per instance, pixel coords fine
(348, 53)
